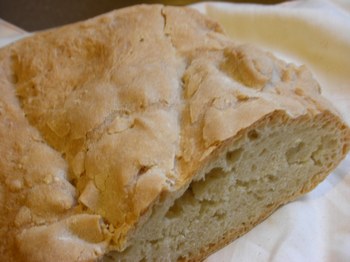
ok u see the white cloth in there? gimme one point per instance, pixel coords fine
(9, 33)
(316, 227)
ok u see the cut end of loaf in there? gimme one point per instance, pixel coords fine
(271, 163)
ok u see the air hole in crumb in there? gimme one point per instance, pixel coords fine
(271, 178)
(246, 184)
(185, 200)
(318, 155)
(258, 197)
(329, 141)
(253, 167)
(270, 205)
(174, 211)
(234, 156)
(219, 215)
(253, 134)
(263, 152)
(295, 154)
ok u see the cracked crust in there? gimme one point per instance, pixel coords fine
(101, 119)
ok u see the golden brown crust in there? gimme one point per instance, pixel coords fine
(100, 118)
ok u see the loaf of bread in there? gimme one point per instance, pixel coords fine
(146, 134)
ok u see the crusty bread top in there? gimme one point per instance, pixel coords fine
(126, 107)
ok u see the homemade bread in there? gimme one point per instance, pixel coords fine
(146, 134)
